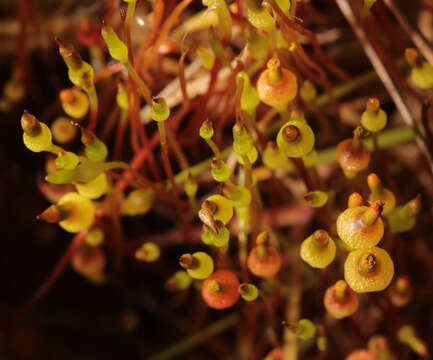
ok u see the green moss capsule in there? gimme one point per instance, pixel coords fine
(66, 160)
(94, 148)
(159, 110)
(206, 56)
(242, 139)
(304, 329)
(249, 97)
(239, 195)
(422, 71)
(148, 252)
(379, 193)
(116, 47)
(316, 198)
(220, 170)
(249, 292)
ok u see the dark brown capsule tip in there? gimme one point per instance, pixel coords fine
(53, 214)
(187, 261)
(290, 133)
(30, 124)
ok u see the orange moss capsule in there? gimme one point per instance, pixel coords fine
(352, 154)
(220, 290)
(63, 131)
(379, 193)
(340, 301)
(263, 261)
(361, 227)
(275, 354)
(277, 86)
(361, 355)
(74, 103)
(400, 291)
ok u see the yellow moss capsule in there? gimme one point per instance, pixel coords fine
(368, 270)
(295, 139)
(74, 102)
(224, 208)
(360, 227)
(95, 236)
(273, 158)
(95, 188)
(148, 252)
(37, 136)
(252, 156)
(138, 202)
(318, 250)
(80, 212)
(199, 265)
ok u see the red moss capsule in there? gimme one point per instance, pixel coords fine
(263, 261)
(220, 290)
(361, 355)
(277, 86)
(275, 354)
(352, 154)
(340, 301)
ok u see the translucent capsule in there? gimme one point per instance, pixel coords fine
(368, 270)
(74, 103)
(95, 188)
(79, 210)
(360, 227)
(295, 139)
(318, 250)
(220, 290)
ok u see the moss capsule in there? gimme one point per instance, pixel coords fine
(361, 355)
(95, 236)
(199, 265)
(368, 270)
(379, 193)
(63, 131)
(340, 301)
(220, 290)
(263, 261)
(37, 136)
(95, 188)
(89, 262)
(373, 118)
(138, 202)
(361, 227)
(295, 139)
(403, 218)
(318, 250)
(148, 252)
(80, 212)
(74, 102)
(277, 86)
